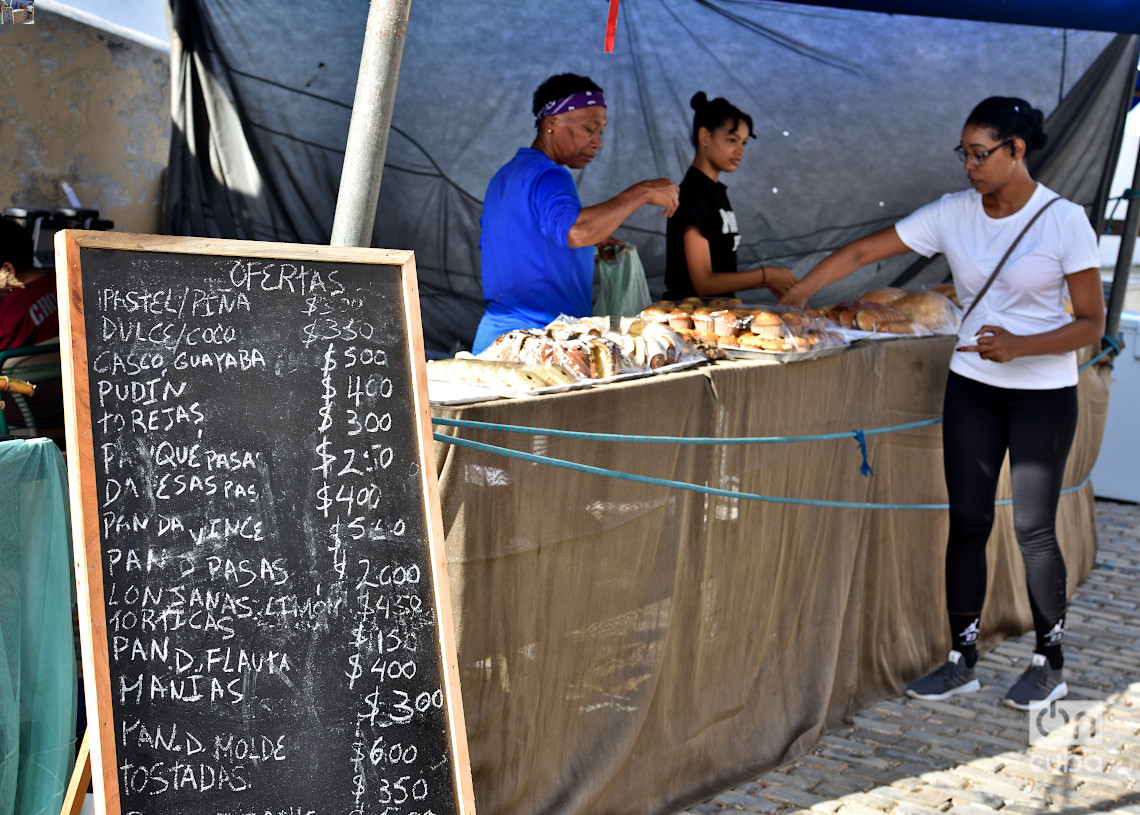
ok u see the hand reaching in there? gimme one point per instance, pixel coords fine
(778, 279)
(662, 192)
(609, 248)
(796, 298)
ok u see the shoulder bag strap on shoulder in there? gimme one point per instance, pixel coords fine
(1008, 252)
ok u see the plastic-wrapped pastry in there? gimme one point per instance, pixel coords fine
(931, 309)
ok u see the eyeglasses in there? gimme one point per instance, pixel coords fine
(978, 159)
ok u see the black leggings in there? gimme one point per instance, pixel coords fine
(979, 423)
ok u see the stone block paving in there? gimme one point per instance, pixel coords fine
(972, 755)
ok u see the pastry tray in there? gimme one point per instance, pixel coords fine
(853, 335)
(781, 357)
(458, 392)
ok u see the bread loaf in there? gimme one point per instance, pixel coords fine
(885, 296)
(604, 361)
(902, 327)
(871, 315)
(574, 356)
(948, 291)
(499, 374)
(931, 309)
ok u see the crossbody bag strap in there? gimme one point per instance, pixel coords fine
(1008, 252)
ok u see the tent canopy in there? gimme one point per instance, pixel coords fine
(1092, 15)
(855, 114)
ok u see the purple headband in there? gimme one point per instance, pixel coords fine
(583, 99)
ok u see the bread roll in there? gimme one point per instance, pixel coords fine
(948, 291)
(930, 309)
(903, 327)
(885, 296)
(872, 315)
(520, 378)
(554, 374)
(793, 324)
(485, 372)
(843, 314)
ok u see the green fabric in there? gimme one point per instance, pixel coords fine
(38, 686)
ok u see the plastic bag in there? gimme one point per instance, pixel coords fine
(620, 287)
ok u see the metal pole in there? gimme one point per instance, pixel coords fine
(1124, 257)
(371, 120)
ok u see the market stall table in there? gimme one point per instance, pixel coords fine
(628, 647)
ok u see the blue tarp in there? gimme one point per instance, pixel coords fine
(1092, 15)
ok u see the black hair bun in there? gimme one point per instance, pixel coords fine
(1038, 138)
(699, 100)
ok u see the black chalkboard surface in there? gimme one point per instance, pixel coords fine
(266, 620)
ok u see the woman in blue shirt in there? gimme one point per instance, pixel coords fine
(537, 241)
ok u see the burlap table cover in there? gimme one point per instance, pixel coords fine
(631, 648)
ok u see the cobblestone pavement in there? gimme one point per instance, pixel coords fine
(971, 755)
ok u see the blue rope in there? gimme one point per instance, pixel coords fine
(1127, 195)
(860, 436)
(865, 467)
(1112, 345)
(682, 485)
(584, 436)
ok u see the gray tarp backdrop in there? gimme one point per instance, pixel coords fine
(855, 115)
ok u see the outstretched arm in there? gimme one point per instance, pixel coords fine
(598, 222)
(843, 261)
(708, 283)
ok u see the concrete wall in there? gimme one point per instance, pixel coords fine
(88, 104)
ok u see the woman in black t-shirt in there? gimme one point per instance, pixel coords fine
(702, 236)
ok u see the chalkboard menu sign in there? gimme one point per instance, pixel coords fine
(259, 552)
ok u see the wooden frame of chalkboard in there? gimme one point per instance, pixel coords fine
(265, 615)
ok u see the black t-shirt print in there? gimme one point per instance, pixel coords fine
(704, 204)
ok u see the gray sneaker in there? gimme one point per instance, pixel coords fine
(1037, 686)
(943, 682)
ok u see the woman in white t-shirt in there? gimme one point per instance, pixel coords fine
(1013, 377)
